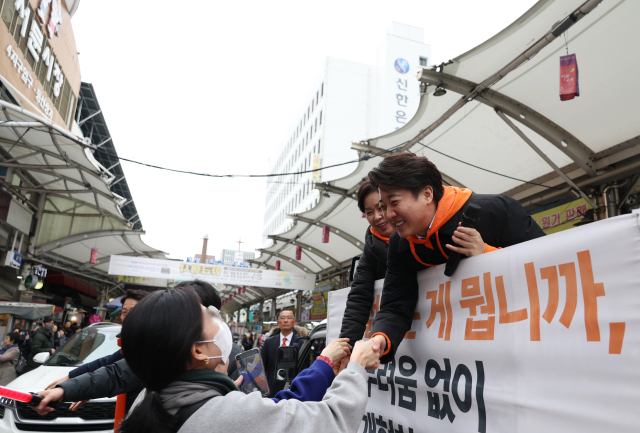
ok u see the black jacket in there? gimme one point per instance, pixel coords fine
(108, 381)
(269, 355)
(503, 222)
(371, 267)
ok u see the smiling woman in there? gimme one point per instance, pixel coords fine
(372, 265)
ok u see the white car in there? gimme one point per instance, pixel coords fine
(91, 343)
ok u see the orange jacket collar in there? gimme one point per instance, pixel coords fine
(451, 202)
(378, 235)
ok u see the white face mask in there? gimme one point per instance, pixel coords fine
(223, 338)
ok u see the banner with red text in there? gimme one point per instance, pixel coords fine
(541, 336)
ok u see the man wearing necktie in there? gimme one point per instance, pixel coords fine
(284, 336)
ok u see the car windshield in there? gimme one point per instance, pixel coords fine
(86, 346)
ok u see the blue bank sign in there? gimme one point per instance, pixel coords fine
(401, 66)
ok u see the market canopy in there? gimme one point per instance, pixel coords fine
(77, 205)
(502, 113)
(25, 310)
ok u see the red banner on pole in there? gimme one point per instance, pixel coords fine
(325, 234)
(298, 253)
(569, 87)
(277, 265)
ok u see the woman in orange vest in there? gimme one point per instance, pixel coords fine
(426, 216)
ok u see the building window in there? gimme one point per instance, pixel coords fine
(320, 117)
(322, 90)
(317, 97)
(423, 62)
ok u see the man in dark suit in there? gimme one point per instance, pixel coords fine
(285, 336)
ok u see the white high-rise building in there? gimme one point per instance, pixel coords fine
(348, 102)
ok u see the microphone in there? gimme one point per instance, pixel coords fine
(469, 219)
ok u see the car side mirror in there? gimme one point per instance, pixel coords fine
(286, 363)
(41, 357)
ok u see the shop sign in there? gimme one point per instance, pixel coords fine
(561, 217)
(31, 29)
(13, 259)
(39, 271)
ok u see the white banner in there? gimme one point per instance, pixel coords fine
(175, 270)
(539, 337)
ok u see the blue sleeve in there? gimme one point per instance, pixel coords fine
(310, 384)
(94, 365)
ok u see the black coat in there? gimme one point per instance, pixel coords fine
(108, 381)
(503, 222)
(371, 267)
(269, 355)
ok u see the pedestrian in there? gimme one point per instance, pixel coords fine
(9, 357)
(427, 218)
(247, 341)
(372, 265)
(42, 342)
(185, 385)
(56, 337)
(285, 335)
(67, 329)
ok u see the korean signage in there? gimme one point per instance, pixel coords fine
(32, 55)
(569, 85)
(143, 281)
(561, 217)
(320, 298)
(530, 338)
(184, 271)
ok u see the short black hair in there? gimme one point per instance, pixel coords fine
(136, 295)
(47, 319)
(363, 191)
(207, 293)
(14, 336)
(406, 170)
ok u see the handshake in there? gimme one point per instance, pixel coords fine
(338, 351)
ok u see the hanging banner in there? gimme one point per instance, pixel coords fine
(94, 256)
(531, 338)
(298, 253)
(277, 265)
(325, 234)
(183, 271)
(569, 87)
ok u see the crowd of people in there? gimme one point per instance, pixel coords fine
(46, 336)
(186, 380)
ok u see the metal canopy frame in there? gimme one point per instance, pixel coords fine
(94, 126)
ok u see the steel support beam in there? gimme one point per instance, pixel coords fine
(307, 248)
(82, 237)
(553, 133)
(289, 259)
(546, 158)
(80, 123)
(344, 235)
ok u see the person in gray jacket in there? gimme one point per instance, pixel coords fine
(9, 356)
(183, 392)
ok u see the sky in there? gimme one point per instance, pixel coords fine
(214, 87)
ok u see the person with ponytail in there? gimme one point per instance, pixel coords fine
(372, 265)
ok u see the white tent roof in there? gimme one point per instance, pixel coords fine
(594, 138)
(80, 212)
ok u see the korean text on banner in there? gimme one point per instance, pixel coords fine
(534, 337)
(183, 271)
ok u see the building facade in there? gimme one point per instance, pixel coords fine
(229, 256)
(347, 101)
